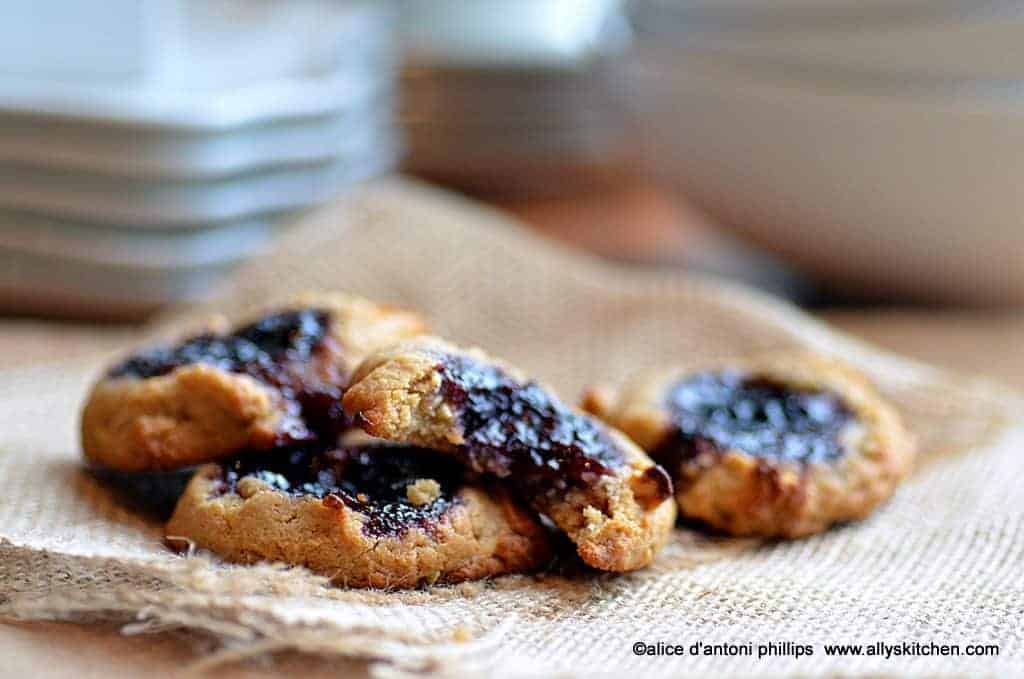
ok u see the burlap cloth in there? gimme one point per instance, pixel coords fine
(940, 563)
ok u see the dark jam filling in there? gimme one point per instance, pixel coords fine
(277, 351)
(518, 430)
(259, 347)
(714, 412)
(370, 479)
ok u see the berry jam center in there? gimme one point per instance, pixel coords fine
(370, 479)
(276, 350)
(259, 347)
(725, 410)
(518, 430)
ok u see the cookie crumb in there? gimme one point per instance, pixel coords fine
(462, 634)
(423, 492)
(249, 486)
(592, 517)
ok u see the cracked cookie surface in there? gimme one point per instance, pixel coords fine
(275, 381)
(783, 445)
(366, 515)
(611, 500)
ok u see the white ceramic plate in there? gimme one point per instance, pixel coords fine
(142, 153)
(30, 281)
(184, 43)
(185, 204)
(184, 109)
(131, 248)
(918, 197)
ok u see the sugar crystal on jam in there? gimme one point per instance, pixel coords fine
(369, 479)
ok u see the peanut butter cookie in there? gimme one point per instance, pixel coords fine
(775, 446)
(275, 381)
(611, 500)
(368, 515)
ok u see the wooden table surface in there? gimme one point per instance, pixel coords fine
(983, 343)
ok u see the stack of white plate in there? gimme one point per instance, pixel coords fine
(507, 96)
(876, 144)
(137, 179)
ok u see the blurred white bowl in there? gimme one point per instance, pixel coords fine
(563, 34)
(911, 55)
(914, 196)
(667, 16)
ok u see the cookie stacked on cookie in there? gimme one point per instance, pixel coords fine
(459, 457)
(597, 486)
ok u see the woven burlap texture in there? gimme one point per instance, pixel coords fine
(940, 563)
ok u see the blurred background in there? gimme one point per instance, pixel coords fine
(846, 154)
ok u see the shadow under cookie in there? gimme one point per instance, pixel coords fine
(152, 494)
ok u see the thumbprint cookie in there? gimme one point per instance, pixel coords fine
(775, 446)
(275, 381)
(364, 515)
(594, 484)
